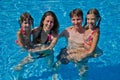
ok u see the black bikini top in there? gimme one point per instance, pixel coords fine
(38, 39)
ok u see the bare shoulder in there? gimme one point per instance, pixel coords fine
(35, 29)
(18, 32)
(97, 33)
(69, 28)
(54, 34)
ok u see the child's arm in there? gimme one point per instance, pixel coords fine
(94, 42)
(19, 38)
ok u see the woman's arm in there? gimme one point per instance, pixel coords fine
(65, 33)
(52, 44)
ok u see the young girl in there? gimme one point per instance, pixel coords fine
(24, 34)
(92, 32)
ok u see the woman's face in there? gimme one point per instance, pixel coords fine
(91, 20)
(48, 23)
(76, 21)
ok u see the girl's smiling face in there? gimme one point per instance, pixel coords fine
(91, 20)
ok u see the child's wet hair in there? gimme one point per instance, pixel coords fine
(76, 12)
(26, 17)
(97, 15)
(95, 12)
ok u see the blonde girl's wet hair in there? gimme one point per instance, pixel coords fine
(97, 15)
(26, 17)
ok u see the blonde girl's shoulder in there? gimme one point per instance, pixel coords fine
(97, 32)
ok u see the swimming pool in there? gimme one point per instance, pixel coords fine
(106, 67)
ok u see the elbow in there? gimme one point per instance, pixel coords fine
(89, 52)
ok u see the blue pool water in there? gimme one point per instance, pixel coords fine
(106, 67)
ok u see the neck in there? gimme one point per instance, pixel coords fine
(78, 29)
(46, 31)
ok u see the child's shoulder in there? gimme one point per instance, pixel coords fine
(19, 32)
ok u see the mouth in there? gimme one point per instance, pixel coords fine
(90, 24)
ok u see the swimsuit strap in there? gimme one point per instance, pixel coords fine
(39, 36)
(23, 31)
(89, 38)
(48, 38)
(90, 35)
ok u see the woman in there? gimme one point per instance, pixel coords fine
(44, 39)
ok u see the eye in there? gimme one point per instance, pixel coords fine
(79, 19)
(73, 19)
(93, 19)
(87, 18)
(51, 22)
(47, 21)
(26, 22)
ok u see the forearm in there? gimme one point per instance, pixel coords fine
(76, 50)
(52, 44)
(75, 57)
(19, 39)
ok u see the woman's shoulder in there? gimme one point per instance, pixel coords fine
(54, 34)
(36, 30)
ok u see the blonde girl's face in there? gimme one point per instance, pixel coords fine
(48, 23)
(76, 21)
(91, 20)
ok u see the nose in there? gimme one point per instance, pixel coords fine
(89, 21)
(76, 21)
(49, 23)
(26, 24)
